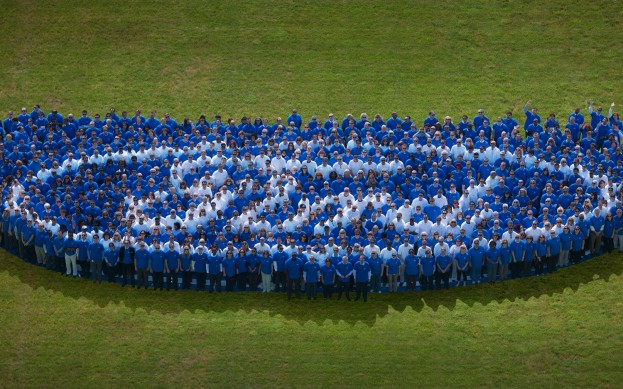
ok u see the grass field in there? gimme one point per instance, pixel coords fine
(264, 58)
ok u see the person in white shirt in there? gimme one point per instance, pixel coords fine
(534, 231)
(425, 226)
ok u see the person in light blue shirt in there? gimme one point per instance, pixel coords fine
(505, 259)
(577, 244)
(565, 246)
(141, 265)
(477, 255)
(157, 263)
(427, 270)
(95, 253)
(517, 247)
(172, 266)
(376, 267)
(463, 261)
(200, 261)
(293, 270)
(229, 270)
(596, 225)
(443, 269)
(492, 258)
(529, 255)
(327, 276)
(311, 274)
(266, 268)
(362, 278)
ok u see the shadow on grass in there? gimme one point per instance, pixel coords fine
(303, 311)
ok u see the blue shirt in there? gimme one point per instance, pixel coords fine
(462, 260)
(428, 266)
(172, 260)
(111, 257)
(517, 249)
(96, 252)
(376, 265)
(266, 265)
(200, 262)
(312, 272)
(554, 245)
(443, 261)
(215, 264)
(156, 260)
(293, 267)
(476, 255)
(344, 270)
(229, 264)
(70, 246)
(327, 273)
(393, 265)
(141, 259)
(412, 265)
(493, 256)
(362, 271)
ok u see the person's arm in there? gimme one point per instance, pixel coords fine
(590, 107)
(610, 110)
(526, 108)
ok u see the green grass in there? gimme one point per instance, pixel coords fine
(560, 330)
(264, 58)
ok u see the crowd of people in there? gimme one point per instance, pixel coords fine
(333, 205)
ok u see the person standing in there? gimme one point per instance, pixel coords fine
(82, 255)
(618, 230)
(427, 270)
(50, 255)
(518, 250)
(476, 255)
(266, 269)
(362, 278)
(172, 266)
(505, 259)
(229, 270)
(186, 267)
(293, 270)
(128, 268)
(344, 270)
(40, 237)
(565, 246)
(215, 269)
(553, 251)
(141, 265)
(242, 270)
(111, 261)
(596, 226)
(70, 248)
(577, 245)
(376, 268)
(529, 255)
(95, 254)
(199, 261)
(608, 233)
(412, 269)
(327, 276)
(27, 239)
(253, 267)
(462, 260)
(280, 258)
(540, 248)
(393, 265)
(157, 261)
(311, 274)
(492, 257)
(443, 269)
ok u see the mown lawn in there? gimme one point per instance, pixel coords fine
(265, 57)
(559, 330)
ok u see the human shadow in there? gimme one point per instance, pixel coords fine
(320, 311)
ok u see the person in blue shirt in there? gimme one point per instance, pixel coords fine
(463, 261)
(505, 259)
(111, 261)
(186, 267)
(50, 255)
(59, 251)
(608, 233)
(344, 270)
(565, 246)
(376, 267)
(40, 237)
(229, 270)
(200, 260)
(253, 266)
(95, 254)
(553, 251)
(293, 270)
(596, 225)
(529, 255)
(517, 247)
(242, 271)
(412, 270)
(476, 254)
(266, 268)
(70, 248)
(126, 257)
(618, 229)
(172, 267)
(215, 268)
(141, 265)
(82, 255)
(427, 270)
(492, 257)
(311, 274)
(327, 277)
(393, 266)
(540, 248)
(28, 240)
(362, 278)
(443, 269)
(280, 258)
(577, 244)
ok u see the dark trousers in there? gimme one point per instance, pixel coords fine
(516, 269)
(96, 271)
(343, 287)
(411, 281)
(294, 285)
(142, 278)
(426, 282)
(312, 290)
(85, 268)
(442, 278)
(608, 244)
(157, 277)
(527, 268)
(538, 265)
(254, 281)
(327, 291)
(552, 261)
(29, 253)
(187, 278)
(230, 282)
(111, 272)
(201, 281)
(362, 288)
(280, 281)
(128, 274)
(60, 264)
(215, 282)
(576, 256)
(172, 280)
(461, 275)
(241, 281)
